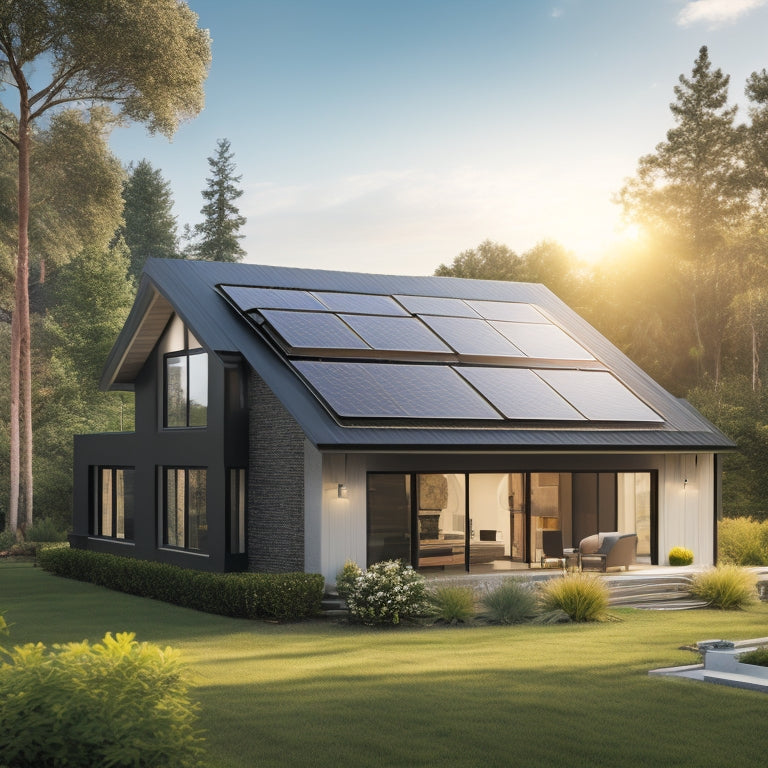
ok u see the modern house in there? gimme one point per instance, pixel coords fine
(291, 419)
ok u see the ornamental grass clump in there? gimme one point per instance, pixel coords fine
(581, 596)
(452, 604)
(387, 593)
(758, 657)
(511, 602)
(726, 586)
(742, 541)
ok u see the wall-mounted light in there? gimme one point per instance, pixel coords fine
(685, 483)
(342, 491)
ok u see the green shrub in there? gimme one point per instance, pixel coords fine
(726, 586)
(282, 596)
(45, 530)
(117, 703)
(511, 602)
(680, 556)
(452, 604)
(346, 578)
(387, 593)
(582, 596)
(742, 541)
(758, 657)
(7, 540)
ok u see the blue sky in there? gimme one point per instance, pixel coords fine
(391, 136)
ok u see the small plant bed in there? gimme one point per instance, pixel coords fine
(758, 657)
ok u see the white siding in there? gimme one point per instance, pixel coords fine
(343, 519)
(686, 506)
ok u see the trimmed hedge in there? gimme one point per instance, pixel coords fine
(281, 596)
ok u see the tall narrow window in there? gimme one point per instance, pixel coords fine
(237, 511)
(185, 518)
(186, 389)
(113, 510)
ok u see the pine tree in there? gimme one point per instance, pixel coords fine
(150, 226)
(218, 235)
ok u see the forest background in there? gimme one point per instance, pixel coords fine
(687, 300)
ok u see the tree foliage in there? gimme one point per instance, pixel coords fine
(145, 58)
(149, 229)
(217, 237)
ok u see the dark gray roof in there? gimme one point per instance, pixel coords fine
(192, 290)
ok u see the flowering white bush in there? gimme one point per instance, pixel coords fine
(384, 594)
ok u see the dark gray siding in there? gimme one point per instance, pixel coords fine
(275, 484)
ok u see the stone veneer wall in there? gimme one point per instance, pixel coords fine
(275, 515)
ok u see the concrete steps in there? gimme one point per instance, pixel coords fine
(659, 593)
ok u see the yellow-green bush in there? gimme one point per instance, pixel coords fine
(680, 556)
(742, 541)
(727, 586)
(583, 596)
(117, 703)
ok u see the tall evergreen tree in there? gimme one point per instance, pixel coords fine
(150, 226)
(217, 237)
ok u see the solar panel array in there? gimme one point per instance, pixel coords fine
(374, 356)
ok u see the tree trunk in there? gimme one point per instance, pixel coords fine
(21, 481)
(27, 482)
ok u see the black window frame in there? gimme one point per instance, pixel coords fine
(97, 518)
(164, 510)
(237, 504)
(185, 353)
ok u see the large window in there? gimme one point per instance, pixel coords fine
(186, 389)
(237, 511)
(113, 508)
(185, 520)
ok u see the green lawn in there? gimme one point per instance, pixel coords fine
(322, 694)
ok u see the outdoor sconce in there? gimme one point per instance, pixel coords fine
(342, 491)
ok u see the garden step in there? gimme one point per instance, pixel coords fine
(664, 593)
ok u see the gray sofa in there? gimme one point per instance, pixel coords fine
(608, 550)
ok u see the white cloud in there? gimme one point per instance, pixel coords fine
(410, 220)
(716, 12)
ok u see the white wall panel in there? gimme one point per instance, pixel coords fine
(344, 519)
(686, 506)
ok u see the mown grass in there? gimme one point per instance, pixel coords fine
(324, 694)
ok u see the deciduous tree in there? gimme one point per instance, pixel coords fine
(149, 59)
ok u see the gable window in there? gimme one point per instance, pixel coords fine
(185, 518)
(186, 389)
(113, 507)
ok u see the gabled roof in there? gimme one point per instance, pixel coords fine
(396, 362)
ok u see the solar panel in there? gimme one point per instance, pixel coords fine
(471, 336)
(401, 334)
(350, 389)
(271, 298)
(435, 305)
(520, 394)
(370, 390)
(362, 303)
(513, 312)
(542, 341)
(599, 395)
(313, 330)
